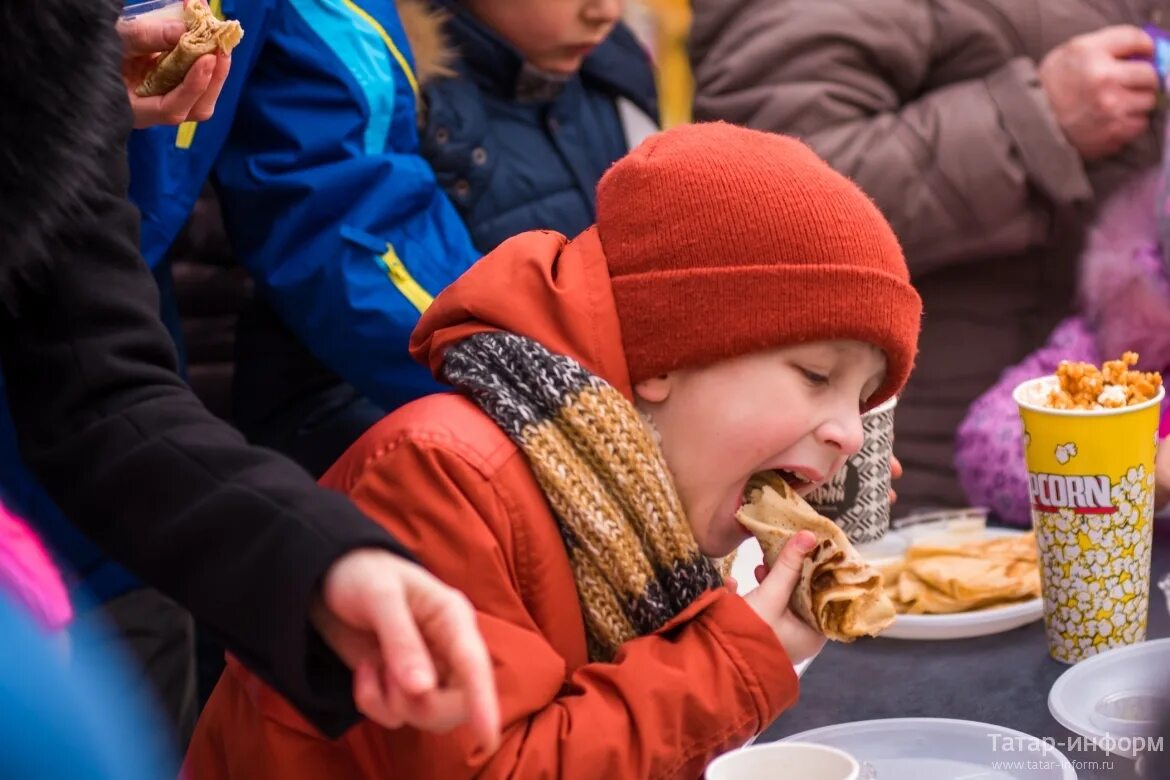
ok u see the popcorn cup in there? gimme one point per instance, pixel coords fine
(1091, 482)
(857, 498)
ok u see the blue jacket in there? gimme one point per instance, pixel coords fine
(313, 150)
(512, 161)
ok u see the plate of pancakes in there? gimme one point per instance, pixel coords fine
(951, 576)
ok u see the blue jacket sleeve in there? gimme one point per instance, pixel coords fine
(329, 205)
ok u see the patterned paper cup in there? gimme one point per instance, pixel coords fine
(857, 498)
(1091, 479)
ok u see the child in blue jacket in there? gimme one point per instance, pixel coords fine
(523, 105)
(535, 102)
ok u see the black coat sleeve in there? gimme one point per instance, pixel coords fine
(237, 534)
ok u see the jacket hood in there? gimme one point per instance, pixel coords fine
(423, 25)
(539, 285)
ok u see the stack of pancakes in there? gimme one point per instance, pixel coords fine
(940, 579)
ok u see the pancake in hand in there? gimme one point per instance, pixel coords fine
(205, 35)
(839, 593)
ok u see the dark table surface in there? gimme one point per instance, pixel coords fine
(1002, 679)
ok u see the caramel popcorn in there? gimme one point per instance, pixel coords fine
(1115, 384)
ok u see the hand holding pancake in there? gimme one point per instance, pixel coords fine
(205, 35)
(837, 592)
(772, 599)
(190, 91)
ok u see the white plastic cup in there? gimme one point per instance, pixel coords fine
(803, 760)
(153, 9)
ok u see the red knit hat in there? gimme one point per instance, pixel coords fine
(723, 241)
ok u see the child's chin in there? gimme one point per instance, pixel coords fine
(721, 548)
(564, 66)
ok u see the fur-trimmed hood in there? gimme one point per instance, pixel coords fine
(423, 25)
(60, 114)
(1123, 285)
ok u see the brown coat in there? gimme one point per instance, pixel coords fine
(934, 108)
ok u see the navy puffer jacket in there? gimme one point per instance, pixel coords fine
(513, 161)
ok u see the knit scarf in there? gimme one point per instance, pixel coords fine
(633, 554)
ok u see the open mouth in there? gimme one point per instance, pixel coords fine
(799, 481)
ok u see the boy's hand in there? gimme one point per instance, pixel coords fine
(143, 41)
(413, 645)
(770, 600)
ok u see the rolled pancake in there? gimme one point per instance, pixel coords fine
(205, 34)
(839, 594)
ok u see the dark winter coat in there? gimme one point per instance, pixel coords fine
(118, 440)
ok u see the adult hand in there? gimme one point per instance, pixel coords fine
(143, 40)
(770, 600)
(1101, 99)
(412, 643)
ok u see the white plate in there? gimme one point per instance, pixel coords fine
(1114, 698)
(943, 749)
(967, 624)
(958, 626)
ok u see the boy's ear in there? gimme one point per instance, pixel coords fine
(654, 390)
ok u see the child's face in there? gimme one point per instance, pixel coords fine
(794, 408)
(553, 35)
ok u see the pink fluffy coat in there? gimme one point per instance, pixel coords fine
(1124, 293)
(1124, 305)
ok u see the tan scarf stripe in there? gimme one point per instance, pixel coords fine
(645, 487)
(633, 554)
(614, 460)
(605, 618)
(598, 525)
(606, 448)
